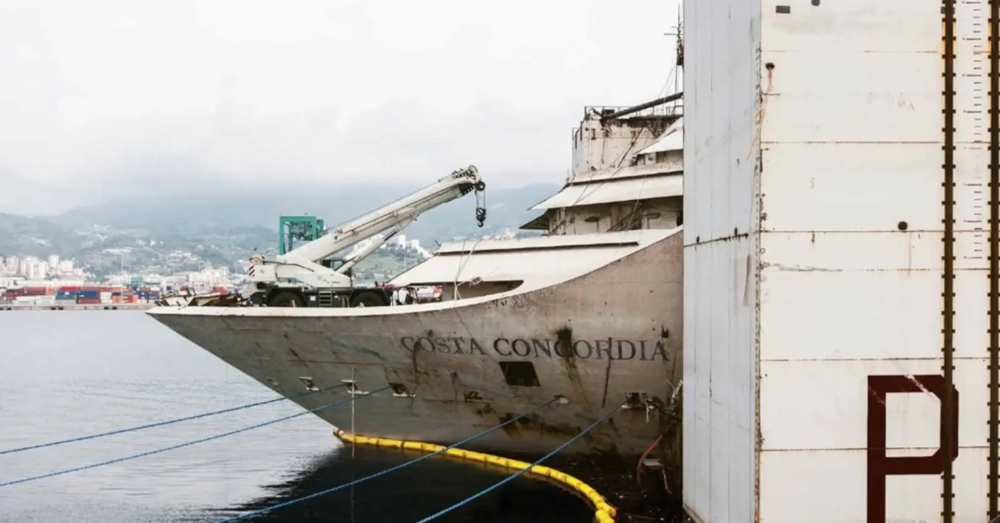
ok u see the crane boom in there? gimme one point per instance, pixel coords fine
(300, 277)
(403, 210)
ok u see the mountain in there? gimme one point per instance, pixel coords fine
(181, 233)
(35, 236)
(199, 213)
(104, 250)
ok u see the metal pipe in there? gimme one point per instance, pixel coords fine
(640, 107)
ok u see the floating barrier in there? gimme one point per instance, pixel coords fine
(433, 453)
(603, 511)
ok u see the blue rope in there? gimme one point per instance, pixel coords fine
(482, 493)
(384, 472)
(182, 445)
(161, 423)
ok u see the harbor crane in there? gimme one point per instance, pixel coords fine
(306, 276)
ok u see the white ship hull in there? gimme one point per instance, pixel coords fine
(603, 322)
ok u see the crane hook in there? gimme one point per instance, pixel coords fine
(480, 215)
(480, 209)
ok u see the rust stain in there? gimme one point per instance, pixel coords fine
(454, 388)
(486, 410)
(664, 333)
(473, 395)
(512, 430)
(536, 422)
(296, 354)
(564, 338)
(417, 347)
(607, 380)
(392, 376)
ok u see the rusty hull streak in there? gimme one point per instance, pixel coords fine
(296, 354)
(396, 378)
(454, 388)
(607, 379)
(513, 430)
(356, 348)
(257, 359)
(486, 410)
(417, 347)
(534, 421)
(565, 336)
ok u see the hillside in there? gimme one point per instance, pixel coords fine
(197, 214)
(180, 234)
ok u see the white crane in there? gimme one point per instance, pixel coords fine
(300, 278)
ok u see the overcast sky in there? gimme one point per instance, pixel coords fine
(107, 97)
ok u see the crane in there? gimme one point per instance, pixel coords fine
(306, 277)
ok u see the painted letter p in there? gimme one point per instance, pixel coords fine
(879, 465)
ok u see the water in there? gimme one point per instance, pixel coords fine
(66, 374)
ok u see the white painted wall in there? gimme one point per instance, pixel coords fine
(602, 149)
(720, 260)
(851, 147)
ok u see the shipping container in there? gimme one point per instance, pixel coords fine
(34, 291)
(34, 299)
(88, 301)
(840, 261)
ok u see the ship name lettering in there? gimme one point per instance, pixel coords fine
(599, 349)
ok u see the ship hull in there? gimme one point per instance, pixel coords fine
(461, 369)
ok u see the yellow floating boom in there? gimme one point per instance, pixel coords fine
(603, 512)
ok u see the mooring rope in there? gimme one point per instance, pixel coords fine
(187, 444)
(387, 471)
(167, 422)
(483, 492)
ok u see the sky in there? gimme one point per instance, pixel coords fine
(109, 99)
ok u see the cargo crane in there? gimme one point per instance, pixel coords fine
(306, 276)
